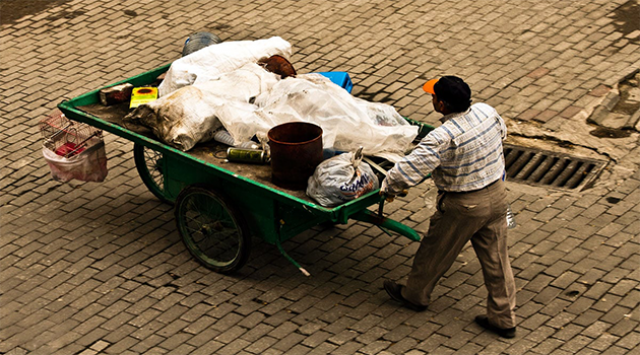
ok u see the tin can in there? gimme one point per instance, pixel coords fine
(242, 155)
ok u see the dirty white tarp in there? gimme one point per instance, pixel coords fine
(347, 121)
(212, 61)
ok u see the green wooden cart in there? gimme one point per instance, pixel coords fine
(219, 205)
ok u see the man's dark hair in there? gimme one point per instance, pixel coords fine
(454, 92)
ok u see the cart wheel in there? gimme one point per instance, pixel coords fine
(212, 229)
(150, 168)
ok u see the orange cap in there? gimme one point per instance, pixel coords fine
(428, 86)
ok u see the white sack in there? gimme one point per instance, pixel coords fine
(347, 122)
(212, 61)
(341, 179)
(190, 114)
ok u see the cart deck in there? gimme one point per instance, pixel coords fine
(205, 152)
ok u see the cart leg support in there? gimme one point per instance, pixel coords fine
(284, 253)
(386, 223)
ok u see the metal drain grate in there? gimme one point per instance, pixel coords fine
(544, 168)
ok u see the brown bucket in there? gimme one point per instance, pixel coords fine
(296, 151)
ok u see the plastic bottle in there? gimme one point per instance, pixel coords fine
(224, 137)
(199, 40)
(249, 145)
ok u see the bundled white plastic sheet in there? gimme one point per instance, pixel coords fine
(221, 85)
(210, 62)
(191, 114)
(347, 122)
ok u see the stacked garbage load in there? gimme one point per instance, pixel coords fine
(228, 86)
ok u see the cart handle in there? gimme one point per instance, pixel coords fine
(371, 217)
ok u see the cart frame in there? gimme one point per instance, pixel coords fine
(243, 206)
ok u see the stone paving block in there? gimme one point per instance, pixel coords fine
(623, 287)
(616, 315)
(146, 344)
(630, 341)
(624, 327)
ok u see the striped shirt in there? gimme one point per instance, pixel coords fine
(463, 154)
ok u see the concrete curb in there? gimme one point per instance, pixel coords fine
(601, 111)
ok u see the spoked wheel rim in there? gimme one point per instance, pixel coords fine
(150, 165)
(212, 230)
(154, 161)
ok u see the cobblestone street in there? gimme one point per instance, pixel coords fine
(99, 268)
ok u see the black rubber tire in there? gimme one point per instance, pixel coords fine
(212, 229)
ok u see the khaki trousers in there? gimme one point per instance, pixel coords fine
(479, 216)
